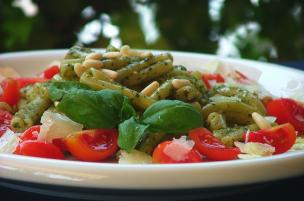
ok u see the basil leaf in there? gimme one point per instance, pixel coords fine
(172, 116)
(58, 89)
(130, 133)
(96, 109)
(127, 110)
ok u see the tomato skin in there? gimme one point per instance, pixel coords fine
(11, 88)
(25, 81)
(206, 77)
(159, 156)
(59, 142)
(50, 72)
(211, 147)
(282, 137)
(33, 132)
(287, 110)
(5, 121)
(30, 133)
(92, 145)
(10, 93)
(39, 149)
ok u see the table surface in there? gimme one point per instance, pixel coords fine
(279, 190)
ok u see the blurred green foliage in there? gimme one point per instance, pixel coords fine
(261, 29)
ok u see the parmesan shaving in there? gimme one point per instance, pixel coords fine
(179, 148)
(254, 149)
(7, 72)
(55, 125)
(134, 157)
(8, 142)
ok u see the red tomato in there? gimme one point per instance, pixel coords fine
(92, 145)
(59, 142)
(30, 133)
(281, 137)
(287, 111)
(10, 93)
(159, 155)
(5, 121)
(208, 78)
(211, 147)
(38, 149)
(50, 72)
(11, 88)
(25, 81)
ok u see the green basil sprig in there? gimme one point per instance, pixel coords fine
(165, 116)
(109, 109)
(58, 89)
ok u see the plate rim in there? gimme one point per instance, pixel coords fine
(158, 167)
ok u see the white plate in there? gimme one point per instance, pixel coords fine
(151, 177)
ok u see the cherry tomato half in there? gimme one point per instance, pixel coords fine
(10, 93)
(281, 137)
(160, 156)
(5, 120)
(211, 147)
(50, 72)
(208, 78)
(287, 111)
(11, 88)
(38, 149)
(30, 133)
(59, 142)
(92, 145)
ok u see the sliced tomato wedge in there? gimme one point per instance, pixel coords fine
(281, 137)
(10, 92)
(211, 147)
(209, 78)
(92, 145)
(59, 142)
(160, 156)
(50, 72)
(39, 149)
(30, 133)
(5, 121)
(287, 110)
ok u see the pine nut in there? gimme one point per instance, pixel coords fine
(260, 121)
(125, 50)
(94, 56)
(178, 83)
(112, 55)
(90, 63)
(197, 105)
(79, 69)
(110, 73)
(145, 54)
(148, 90)
(56, 103)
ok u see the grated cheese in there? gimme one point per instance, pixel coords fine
(179, 148)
